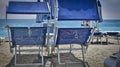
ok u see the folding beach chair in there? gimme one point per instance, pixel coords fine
(118, 35)
(70, 36)
(99, 35)
(41, 9)
(24, 36)
(112, 34)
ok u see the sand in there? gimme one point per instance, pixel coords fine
(96, 54)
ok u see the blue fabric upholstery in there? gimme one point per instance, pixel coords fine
(78, 10)
(98, 34)
(28, 8)
(112, 33)
(118, 35)
(73, 35)
(28, 36)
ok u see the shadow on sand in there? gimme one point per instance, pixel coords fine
(50, 61)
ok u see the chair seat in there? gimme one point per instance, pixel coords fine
(118, 35)
(99, 34)
(112, 33)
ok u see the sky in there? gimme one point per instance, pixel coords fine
(110, 10)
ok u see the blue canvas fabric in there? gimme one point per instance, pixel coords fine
(28, 36)
(112, 33)
(78, 10)
(28, 8)
(73, 35)
(98, 34)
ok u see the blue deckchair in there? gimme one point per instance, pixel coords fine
(99, 35)
(19, 7)
(23, 36)
(118, 35)
(68, 36)
(112, 34)
(74, 10)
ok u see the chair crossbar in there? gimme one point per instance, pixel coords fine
(32, 50)
(70, 49)
(28, 64)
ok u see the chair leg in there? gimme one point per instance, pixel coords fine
(42, 56)
(70, 48)
(101, 40)
(118, 39)
(19, 53)
(83, 51)
(58, 55)
(39, 50)
(107, 39)
(15, 55)
(92, 39)
(97, 39)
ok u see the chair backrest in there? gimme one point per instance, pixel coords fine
(69, 10)
(73, 35)
(23, 8)
(112, 33)
(28, 36)
(98, 34)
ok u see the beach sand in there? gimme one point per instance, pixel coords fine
(96, 54)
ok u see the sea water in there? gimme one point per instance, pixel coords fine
(106, 25)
